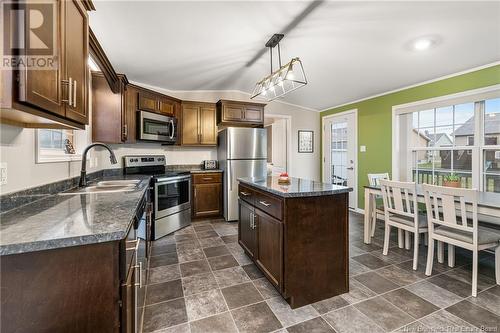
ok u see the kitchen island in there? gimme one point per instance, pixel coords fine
(297, 235)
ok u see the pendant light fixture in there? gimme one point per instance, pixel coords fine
(285, 79)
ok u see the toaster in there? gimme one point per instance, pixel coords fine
(209, 164)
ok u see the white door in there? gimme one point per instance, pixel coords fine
(340, 152)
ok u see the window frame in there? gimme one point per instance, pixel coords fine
(58, 155)
(477, 96)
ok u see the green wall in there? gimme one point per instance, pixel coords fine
(375, 118)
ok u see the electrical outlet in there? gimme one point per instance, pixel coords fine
(3, 173)
(362, 149)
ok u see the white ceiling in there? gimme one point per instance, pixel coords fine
(350, 50)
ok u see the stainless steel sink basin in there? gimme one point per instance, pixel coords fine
(103, 188)
(126, 182)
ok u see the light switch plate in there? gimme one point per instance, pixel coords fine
(362, 149)
(3, 173)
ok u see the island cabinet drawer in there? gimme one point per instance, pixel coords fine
(207, 178)
(269, 204)
(246, 194)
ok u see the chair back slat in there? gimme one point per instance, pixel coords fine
(446, 206)
(399, 198)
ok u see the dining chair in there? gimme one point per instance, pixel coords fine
(401, 212)
(374, 180)
(449, 222)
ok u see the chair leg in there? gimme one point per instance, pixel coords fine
(387, 237)
(430, 257)
(407, 240)
(415, 251)
(451, 255)
(374, 217)
(474, 273)
(401, 241)
(440, 252)
(497, 264)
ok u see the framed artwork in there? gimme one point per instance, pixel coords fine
(306, 141)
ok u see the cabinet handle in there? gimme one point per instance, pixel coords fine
(207, 178)
(140, 275)
(264, 203)
(134, 248)
(245, 194)
(74, 93)
(251, 220)
(125, 131)
(69, 100)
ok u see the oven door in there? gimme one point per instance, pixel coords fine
(156, 127)
(172, 195)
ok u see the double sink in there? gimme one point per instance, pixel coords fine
(106, 186)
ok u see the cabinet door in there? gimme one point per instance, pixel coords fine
(254, 114)
(148, 102)
(76, 55)
(43, 88)
(270, 247)
(207, 199)
(233, 112)
(190, 133)
(107, 112)
(247, 236)
(128, 299)
(166, 106)
(130, 119)
(208, 127)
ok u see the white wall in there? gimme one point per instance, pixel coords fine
(17, 147)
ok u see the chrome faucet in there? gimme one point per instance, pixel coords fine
(83, 172)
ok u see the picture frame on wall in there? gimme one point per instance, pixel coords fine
(306, 141)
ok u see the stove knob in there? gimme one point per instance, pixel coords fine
(131, 160)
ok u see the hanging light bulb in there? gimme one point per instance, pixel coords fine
(290, 75)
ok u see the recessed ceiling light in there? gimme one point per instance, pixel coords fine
(422, 44)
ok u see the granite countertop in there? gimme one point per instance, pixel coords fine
(205, 171)
(298, 187)
(68, 220)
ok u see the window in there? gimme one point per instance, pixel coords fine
(55, 145)
(462, 139)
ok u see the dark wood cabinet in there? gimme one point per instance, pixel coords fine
(299, 243)
(156, 102)
(247, 235)
(207, 194)
(270, 248)
(235, 113)
(198, 124)
(114, 115)
(55, 98)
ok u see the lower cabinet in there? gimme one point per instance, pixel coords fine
(207, 194)
(269, 246)
(247, 237)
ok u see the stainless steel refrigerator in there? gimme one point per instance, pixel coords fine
(242, 152)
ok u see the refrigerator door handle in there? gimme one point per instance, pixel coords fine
(229, 176)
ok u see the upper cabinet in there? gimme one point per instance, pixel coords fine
(113, 118)
(198, 124)
(235, 113)
(56, 97)
(155, 102)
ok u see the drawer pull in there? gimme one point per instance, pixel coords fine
(207, 178)
(245, 194)
(264, 203)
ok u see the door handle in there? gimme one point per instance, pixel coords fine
(173, 129)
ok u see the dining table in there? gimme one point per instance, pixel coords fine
(488, 208)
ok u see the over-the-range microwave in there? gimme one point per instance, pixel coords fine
(156, 127)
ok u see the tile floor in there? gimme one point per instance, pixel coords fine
(201, 281)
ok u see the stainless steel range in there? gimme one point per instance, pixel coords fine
(170, 193)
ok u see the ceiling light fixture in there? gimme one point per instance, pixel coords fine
(285, 79)
(422, 44)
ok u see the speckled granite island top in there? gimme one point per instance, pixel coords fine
(298, 187)
(68, 220)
